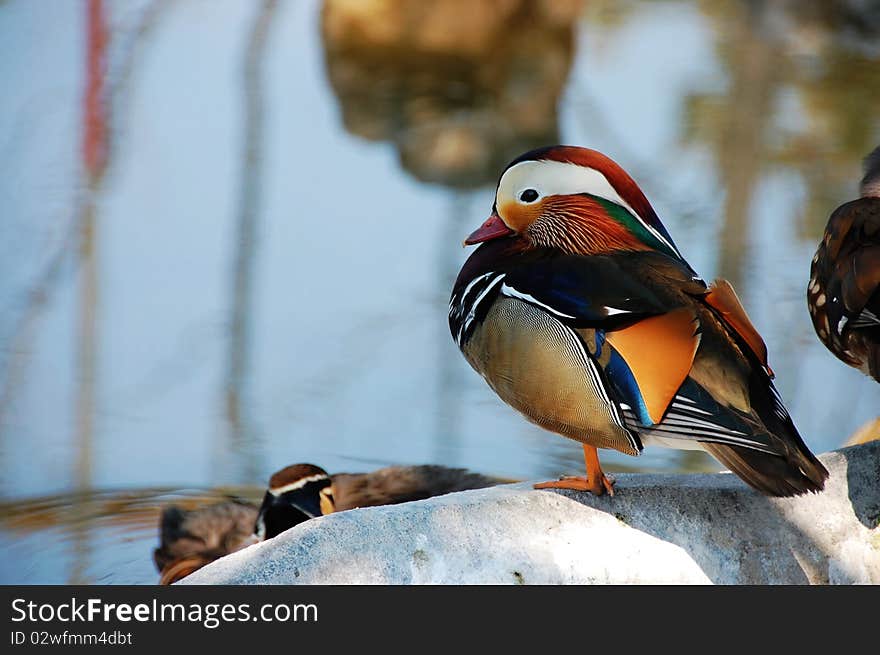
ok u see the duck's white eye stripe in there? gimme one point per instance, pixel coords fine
(558, 178)
(565, 178)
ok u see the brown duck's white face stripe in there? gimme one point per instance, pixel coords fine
(298, 484)
(524, 187)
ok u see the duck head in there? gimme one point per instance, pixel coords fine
(576, 200)
(296, 493)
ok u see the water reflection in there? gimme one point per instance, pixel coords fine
(802, 94)
(102, 536)
(218, 259)
(94, 158)
(243, 444)
(460, 88)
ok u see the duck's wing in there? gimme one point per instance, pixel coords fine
(643, 337)
(604, 292)
(683, 359)
(844, 290)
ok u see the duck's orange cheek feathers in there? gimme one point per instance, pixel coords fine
(518, 217)
(575, 224)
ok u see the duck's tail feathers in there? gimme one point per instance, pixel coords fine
(775, 475)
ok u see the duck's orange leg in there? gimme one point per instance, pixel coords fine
(596, 481)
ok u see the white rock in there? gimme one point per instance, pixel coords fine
(657, 529)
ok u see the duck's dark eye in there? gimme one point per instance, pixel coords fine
(529, 195)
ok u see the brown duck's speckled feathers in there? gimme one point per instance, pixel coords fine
(192, 538)
(401, 484)
(843, 295)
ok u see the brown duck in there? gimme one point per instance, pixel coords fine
(843, 295)
(303, 491)
(191, 539)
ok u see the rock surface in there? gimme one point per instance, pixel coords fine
(657, 529)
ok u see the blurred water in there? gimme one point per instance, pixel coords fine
(257, 270)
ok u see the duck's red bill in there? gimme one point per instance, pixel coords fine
(493, 228)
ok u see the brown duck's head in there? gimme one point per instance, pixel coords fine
(870, 186)
(574, 199)
(296, 493)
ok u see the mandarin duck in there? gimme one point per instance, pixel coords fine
(190, 539)
(303, 491)
(580, 312)
(843, 295)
